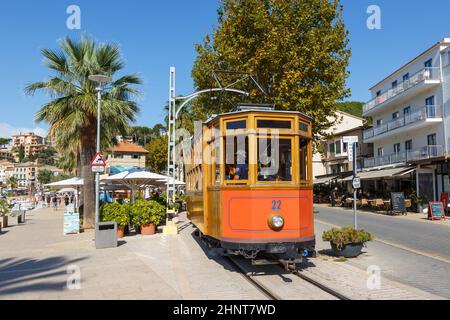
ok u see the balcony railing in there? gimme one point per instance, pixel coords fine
(427, 112)
(427, 152)
(422, 75)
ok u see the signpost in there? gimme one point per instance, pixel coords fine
(398, 202)
(351, 145)
(436, 210)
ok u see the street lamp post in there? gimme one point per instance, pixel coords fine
(101, 80)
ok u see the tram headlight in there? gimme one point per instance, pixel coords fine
(276, 222)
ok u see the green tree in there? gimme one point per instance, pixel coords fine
(45, 176)
(4, 141)
(72, 114)
(21, 151)
(297, 50)
(46, 156)
(157, 156)
(12, 182)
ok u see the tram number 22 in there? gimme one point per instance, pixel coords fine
(276, 204)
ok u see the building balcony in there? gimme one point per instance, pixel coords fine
(417, 83)
(424, 153)
(418, 119)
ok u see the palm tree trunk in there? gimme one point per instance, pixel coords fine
(87, 154)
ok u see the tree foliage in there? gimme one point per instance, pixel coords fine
(157, 156)
(45, 176)
(297, 50)
(72, 109)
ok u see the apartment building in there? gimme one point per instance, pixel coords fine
(411, 121)
(332, 161)
(31, 142)
(25, 174)
(6, 171)
(126, 154)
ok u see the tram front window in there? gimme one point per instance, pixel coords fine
(274, 159)
(236, 156)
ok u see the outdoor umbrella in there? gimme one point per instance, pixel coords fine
(135, 180)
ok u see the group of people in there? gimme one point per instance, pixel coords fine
(54, 201)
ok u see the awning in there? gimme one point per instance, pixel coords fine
(377, 174)
(324, 180)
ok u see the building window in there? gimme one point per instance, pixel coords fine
(397, 148)
(408, 145)
(344, 147)
(406, 77)
(379, 122)
(406, 111)
(395, 115)
(394, 84)
(135, 156)
(338, 147)
(380, 152)
(378, 93)
(331, 147)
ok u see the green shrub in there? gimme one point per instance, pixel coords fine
(116, 212)
(343, 236)
(147, 212)
(4, 208)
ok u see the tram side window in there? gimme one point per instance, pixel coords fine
(304, 175)
(274, 159)
(236, 158)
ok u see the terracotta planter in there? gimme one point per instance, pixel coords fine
(120, 232)
(148, 229)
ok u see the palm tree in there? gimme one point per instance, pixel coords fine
(72, 112)
(12, 182)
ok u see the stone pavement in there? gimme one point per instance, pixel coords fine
(35, 259)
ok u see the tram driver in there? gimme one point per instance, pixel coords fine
(241, 172)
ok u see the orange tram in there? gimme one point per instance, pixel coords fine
(249, 184)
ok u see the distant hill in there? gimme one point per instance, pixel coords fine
(353, 107)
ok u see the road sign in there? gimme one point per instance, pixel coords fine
(98, 169)
(98, 161)
(356, 183)
(350, 153)
(350, 139)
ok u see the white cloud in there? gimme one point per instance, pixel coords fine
(7, 130)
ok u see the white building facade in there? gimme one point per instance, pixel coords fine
(411, 120)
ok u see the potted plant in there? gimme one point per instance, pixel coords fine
(417, 201)
(147, 215)
(4, 211)
(347, 242)
(118, 213)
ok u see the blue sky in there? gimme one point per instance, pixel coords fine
(157, 34)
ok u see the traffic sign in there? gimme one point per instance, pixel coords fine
(350, 153)
(356, 183)
(98, 169)
(98, 161)
(350, 139)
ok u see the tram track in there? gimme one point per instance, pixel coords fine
(321, 291)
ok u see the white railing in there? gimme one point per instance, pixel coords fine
(422, 75)
(427, 152)
(427, 112)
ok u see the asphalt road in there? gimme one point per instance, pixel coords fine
(430, 238)
(409, 259)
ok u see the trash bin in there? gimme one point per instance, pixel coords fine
(21, 217)
(106, 235)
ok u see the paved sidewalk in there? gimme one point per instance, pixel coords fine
(35, 257)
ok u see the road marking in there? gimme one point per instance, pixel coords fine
(399, 246)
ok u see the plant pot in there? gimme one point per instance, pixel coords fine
(120, 232)
(350, 250)
(148, 229)
(5, 222)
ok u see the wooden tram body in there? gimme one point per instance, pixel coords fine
(236, 212)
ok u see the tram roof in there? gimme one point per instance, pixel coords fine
(251, 108)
